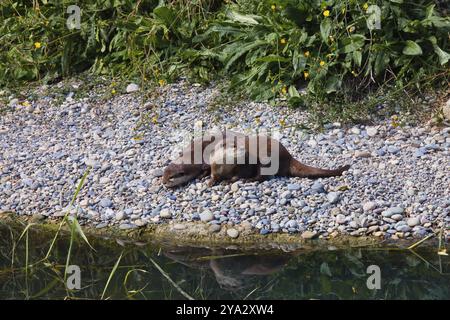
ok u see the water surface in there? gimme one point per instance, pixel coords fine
(164, 271)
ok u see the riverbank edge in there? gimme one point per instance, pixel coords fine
(196, 234)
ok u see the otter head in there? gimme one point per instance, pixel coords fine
(177, 174)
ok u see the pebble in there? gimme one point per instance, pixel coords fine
(392, 211)
(132, 87)
(214, 228)
(333, 197)
(206, 216)
(369, 206)
(165, 214)
(179, 226)
(293, 186)
(127, 226)
(340, 218)
(362, 154)
(309, 235)
(412, 222)
(393, 149)
(233, 233)
(106, 203)
(120, 215)
(318, 187)
(371, 131)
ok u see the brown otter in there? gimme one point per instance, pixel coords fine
(252, 159)
(186, 167)
(246, 162)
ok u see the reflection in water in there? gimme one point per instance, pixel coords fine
(149, 271)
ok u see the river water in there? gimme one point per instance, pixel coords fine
(165, 271)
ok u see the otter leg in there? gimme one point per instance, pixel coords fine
(234, 178)
(258, 177)
(213, 180)
(204, 174)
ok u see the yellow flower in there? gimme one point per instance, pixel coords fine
(274, 7)
(326, 13)
(306, 74)
(113, 91)
(306, 54)
(365, 6)
(322, 63)
(394, 121)
(351, 29)
(25, 103)
(283, 41)
(284, 90)
(37, 45)
(155, 120)
(162, 82)
(282, 122)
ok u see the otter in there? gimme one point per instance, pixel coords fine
(247, 162)
(185, 168)
(241, 166)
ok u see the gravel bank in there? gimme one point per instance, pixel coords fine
(398, 185)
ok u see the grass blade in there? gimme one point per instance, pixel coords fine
(176, 286)
(111, 275)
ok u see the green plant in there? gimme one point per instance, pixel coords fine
(269, 49)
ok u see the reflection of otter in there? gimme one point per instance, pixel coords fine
(232, 270)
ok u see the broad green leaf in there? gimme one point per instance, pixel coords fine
(333, 84)
(242, 18)
(325, 29)
(381, 62)
(298, 62)
(352, 43)
(243, 50)
(165, 14)
(412, 48)
(357, 57)
(443, 56)
(293, 92)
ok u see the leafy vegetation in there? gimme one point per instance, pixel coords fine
(269, 49)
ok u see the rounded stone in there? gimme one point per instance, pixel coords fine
(165, 213)
(206, 216)
(309, 235)
(412, 222)
(214, 228)
(233, 233)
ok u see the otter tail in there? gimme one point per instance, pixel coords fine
(298, 169)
